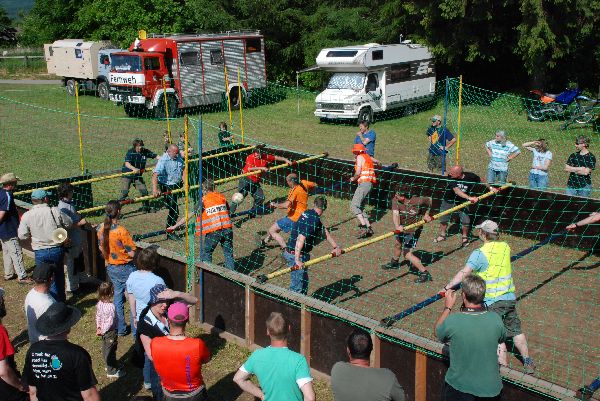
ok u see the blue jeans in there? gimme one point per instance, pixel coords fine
(584, 192)
(538, 181)
(299, 278)
(223, 237)
(54, 256)
(118, 275)
(495, 176)
(157, 393)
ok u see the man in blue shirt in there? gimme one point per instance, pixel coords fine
(135, 161)
(366, 137)
(439, 143)
(306, 233)
(167, 177)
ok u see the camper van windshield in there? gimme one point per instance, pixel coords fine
(122, 63)
(347, 80)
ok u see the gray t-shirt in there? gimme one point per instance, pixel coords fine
(36, 303)
(355, 383)
(74, 231)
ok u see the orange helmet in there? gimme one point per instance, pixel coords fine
(358, 148)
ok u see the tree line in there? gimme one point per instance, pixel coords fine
(498, 44)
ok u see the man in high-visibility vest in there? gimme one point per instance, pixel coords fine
(215, 224)
(492, 263)
(364, 175)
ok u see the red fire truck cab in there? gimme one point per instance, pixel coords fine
(192, 68)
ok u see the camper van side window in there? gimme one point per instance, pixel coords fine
(216, 57)
(78, 53)
(189, 58)
(399, 73)
(377, 54)
(253, 45)
(342, 53)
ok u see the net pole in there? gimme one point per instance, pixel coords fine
(264, 278)
(186, 187)
(459, 114)
(199, 209)
(228, 100)
(241, 107)
(444, 127)
(164, 84)
(81, 166)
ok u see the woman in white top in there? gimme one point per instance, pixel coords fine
(542, 157)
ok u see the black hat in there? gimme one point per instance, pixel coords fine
(43, 272)
(57, 319)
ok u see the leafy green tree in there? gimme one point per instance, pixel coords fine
(48, 20)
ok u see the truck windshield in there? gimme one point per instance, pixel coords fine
(347, 80)
(126, 63)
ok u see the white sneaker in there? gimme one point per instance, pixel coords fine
(116, 375)
(147, 386)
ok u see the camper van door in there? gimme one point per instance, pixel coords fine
(374, 90)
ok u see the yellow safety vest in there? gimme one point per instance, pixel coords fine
(498, 276)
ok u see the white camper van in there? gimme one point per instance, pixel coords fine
(374, 78)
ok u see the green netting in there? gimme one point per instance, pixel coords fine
(557, 283)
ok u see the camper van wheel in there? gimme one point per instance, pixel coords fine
(103, 90)
(160, 112)
(71, 87)
(365, 114)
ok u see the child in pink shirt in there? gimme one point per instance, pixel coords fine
(106, 326)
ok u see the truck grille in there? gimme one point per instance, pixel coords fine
(333, 106)
(126, 90)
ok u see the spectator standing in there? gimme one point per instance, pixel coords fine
(39, 224)
(364, 175)
(580, 166)
(256, 161)
(181, 146)
(542, 157)
(11, 387)
(501, 152)
(282, 373)
(225, 137)
(65, 204)
(492, 263)
(117, 248)
(357, 380)
(168, 176)
(474, 335)
(106, 326)
(304, 235)
(178, 359)
(440, 140)
(366, 137)
(135, 163)
(406, 210)
(56, 369)
(38, 299)
(9, 223)
(296, 204)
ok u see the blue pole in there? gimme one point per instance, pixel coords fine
(199, 210)
(444, 127)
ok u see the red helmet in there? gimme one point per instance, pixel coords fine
(358, 148)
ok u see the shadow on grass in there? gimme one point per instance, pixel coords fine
(334, 290)
(249, 264)
(224, 389)
(383, 284)
(21, 340)
(126, 387)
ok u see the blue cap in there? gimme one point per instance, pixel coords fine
(39, 194)
(154, 291)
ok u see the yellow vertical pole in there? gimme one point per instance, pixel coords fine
(81, 166)
(228, 97)
(241, 108)
(458, 129)
(167, 109)
(186, 188)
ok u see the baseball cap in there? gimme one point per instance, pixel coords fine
(488, 226)
(39, 194)
(43, 272)
(435, 118)
(9, 177)
(178, 312)
(154, 291)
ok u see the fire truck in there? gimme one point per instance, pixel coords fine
(183, 71)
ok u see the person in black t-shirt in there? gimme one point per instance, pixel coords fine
(579, 166)
(55, 369)
(135, 160)
(459, 188)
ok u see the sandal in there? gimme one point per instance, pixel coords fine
(465, 241)
(439, 238)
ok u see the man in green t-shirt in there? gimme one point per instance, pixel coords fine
(282, 373)
(474, 335)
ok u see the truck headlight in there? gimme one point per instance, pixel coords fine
(319, 105)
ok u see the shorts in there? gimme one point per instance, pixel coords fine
(409, 240)
(285, 224)
(434, 162)
(508, 312)
(465, 220)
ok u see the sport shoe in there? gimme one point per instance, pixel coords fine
(147, 386)
(528, 365)
(365, 232)
(423, 277)
(116, 375)
(393, 264)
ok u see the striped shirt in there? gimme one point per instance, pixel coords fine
(106, 317)
(500, 153)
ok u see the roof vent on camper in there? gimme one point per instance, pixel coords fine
(371, 44)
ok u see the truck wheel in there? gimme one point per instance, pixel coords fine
(131, 110)
(71, 87)
(160, 112)
(103, 90)
(365, 114)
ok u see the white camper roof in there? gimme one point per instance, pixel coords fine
(80, 44)
(370, 56)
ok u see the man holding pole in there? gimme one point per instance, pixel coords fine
(168, 176)
(305, 233)
(135, 164)
(406, 210)
(492, 263)
(439, 143)
(364, 175)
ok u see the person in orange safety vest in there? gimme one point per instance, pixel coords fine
(364, 175)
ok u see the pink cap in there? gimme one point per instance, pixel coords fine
(178, 312)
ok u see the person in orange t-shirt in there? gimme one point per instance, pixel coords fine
(296, 204)
(178, 359)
